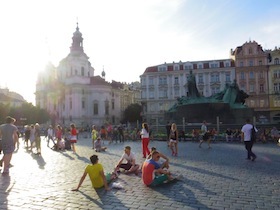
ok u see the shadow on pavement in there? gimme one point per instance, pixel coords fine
(6, 187)
(179, 193)
(40, 160)
(106, 199)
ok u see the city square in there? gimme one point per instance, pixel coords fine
(217, 178)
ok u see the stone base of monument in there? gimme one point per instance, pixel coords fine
(197, 112)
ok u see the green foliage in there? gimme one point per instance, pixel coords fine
(132, 113)
(25, 114)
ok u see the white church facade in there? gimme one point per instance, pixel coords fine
(73, 94)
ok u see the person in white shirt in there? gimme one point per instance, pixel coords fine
(130, 166)
(50, 134)
(246, 137)
(145, 137)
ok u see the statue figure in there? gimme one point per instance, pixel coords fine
(193, 92)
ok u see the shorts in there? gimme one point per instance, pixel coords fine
(72, 141)
(125, 166)
(172, 141)
(159, 180)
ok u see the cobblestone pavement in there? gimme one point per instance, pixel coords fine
(217, 178)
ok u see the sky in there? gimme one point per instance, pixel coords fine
(126, 36)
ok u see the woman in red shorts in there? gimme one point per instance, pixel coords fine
(73, 139)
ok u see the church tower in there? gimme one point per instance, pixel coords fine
(77, 42)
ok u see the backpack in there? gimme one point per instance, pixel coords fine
(253, 134)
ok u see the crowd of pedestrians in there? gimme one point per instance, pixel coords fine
(155, 168)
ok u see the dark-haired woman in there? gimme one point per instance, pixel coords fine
(145, 139)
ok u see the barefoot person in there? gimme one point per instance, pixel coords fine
(130, 166)
(96, 175)
(9, 136)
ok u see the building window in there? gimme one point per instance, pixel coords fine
(70, 103)
(241, 64)
(260, 62)
(261, 76)
(176, 80)
(215, 77)
(176, 68)
(251, 75)
(176, 92)
(83, 91)
(242, 87)
(162, 80)
(227, 64)
(251, 63)
(276, 61)
(252, 88)
(151, 80)
(163, 93)
(262, 103)
(82, 71)
(242, 75)
(187, 67)
(200, 78)
(106, 107)
(252, 102)
(261, 88)
(162, 68)
(113, 105)
(214, 65)
(143, 94)
(151, 94)
(227, 77)
(275, 87)
(95, 108)
(200, 66)
(250, 50)
(83, 104)
(215, 90)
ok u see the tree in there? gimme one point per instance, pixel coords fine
(132, 113)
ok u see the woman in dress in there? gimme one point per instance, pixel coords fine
(73, 139)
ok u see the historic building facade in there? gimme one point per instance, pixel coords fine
(161, 85)
(73, 94)
(274, 84)
(251, 67)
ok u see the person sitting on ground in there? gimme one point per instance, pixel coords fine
(98, 146)
(96, 175)
(164, 164)
(152, 174)
(130, 166)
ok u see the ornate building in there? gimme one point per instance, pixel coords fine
(161, 85)
(72, 93)
(251, 67)
(274, 84)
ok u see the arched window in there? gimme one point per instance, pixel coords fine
(276, 61)
(83, 71)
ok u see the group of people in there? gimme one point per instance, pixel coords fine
(153, 172)
(56, 136)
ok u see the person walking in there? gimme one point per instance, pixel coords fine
(173, 138)
(73, 139)
(38, 139)
(246, 136)
(50, 134)
(206, 135)
(9, 136)
(145, 139)
(93, 135)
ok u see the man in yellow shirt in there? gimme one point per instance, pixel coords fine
(96, 175)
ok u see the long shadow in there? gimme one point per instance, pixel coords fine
(180, 193)
(6, 187)
(203, 171)
(106, 198)
(67, 155)
(40, 160)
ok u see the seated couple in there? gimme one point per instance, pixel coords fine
(96, 175)
(153, 173)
